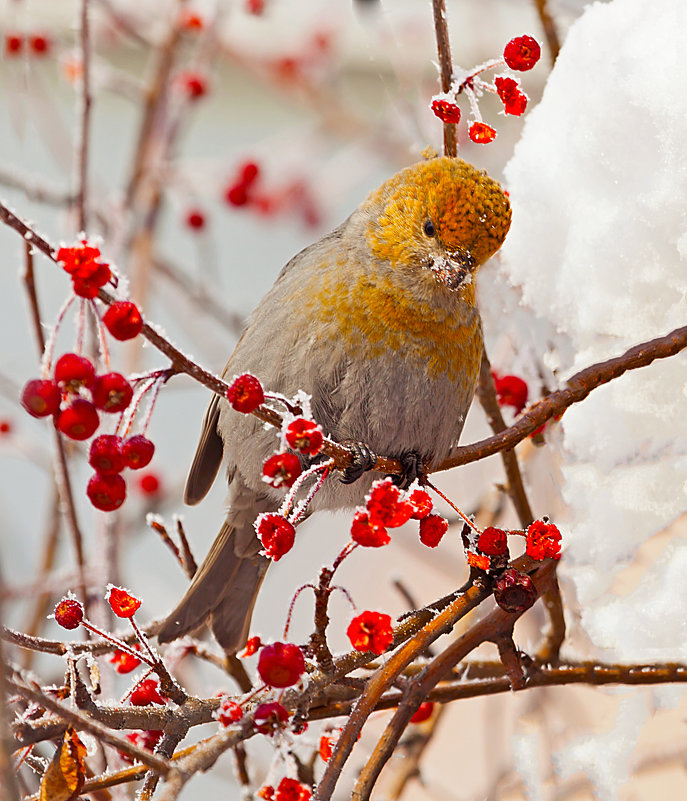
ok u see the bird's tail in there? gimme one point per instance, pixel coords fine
(223, 590)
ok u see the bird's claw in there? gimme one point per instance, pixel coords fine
(362, 461)
(412, 468)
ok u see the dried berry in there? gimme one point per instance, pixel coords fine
(514, 591)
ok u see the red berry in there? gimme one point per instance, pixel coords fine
(137, 452)
(386, 504)
(14, 43)
(124, 662)
(246, 393)
(253, 645)
(190, 21)
(276, 533)
(39, 44)
(255, 7)
(106, 493)
(5, 427)
(514, 591)
(122, 602)
(522, 53)
(543, 540)
(493, 541)
(237, 194)
(281, 664)
(68, 613)
(195, 219)
(112, 392)
(149, 483)
(248, 172)
(327, 743)
(270, 717)
(229, 712)
(424, 712)
(432, 529)
(446, 111)
(123, 320)
(145, 693)
(421, 502)
(281, 470)
(146, 739)
(481, 133)
(304, 436)
(367, 533)
(511, 391)
(79, 420)
(105, 455)
(193, 83)
(73, 372)
(371, 631)
(41, 397)
(514, 101)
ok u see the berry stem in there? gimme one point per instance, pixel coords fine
(285, 508)
(461, 514)
(80, 326)
(46, 362)
(291, 605)
(121, 645)
(102, 341)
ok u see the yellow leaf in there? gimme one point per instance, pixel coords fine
(65, 775)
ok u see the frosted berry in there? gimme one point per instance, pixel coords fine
(493, 541)
(105, 455)
(304, 436)
(281, 470)
(543, 540)
(79, 420)
(123, 320)
(281, 664)
(41, 397)
(245, 393)
(276, 533)
(106, 493)
(514, 591)
(432, 529)
(421, 502)
(112, 392)
(514, 101)
(481, 133)
(122, 602)
(146, 693)
(68, 613)
(387, 505)
(137, 452)
(269, 717)
(367, 533)
(229, 712)
(73, 372)
(446, 111)
(370, 631)
(522, 53)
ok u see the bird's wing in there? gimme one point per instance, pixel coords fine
(208, 456)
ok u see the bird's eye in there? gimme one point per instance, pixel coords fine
(429, 228)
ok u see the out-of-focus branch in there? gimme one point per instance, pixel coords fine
(84, 128)
(549, 28)
(446, 70)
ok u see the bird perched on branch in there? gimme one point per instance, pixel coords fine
(377, 322)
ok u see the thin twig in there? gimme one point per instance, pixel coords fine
(84, 130)
(549, 26)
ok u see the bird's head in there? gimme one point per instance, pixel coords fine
(441, 215)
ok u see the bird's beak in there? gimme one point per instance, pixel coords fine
(453, 269)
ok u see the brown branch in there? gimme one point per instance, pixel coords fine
(576, 389)
(446, 69)
(85, 723)
(549, 27)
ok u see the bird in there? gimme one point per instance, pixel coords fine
(377, 322)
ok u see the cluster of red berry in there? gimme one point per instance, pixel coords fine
(520, 54)
(286, 790)
(388, 507)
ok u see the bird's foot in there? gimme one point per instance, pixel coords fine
(412, 468)
(363, 460)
